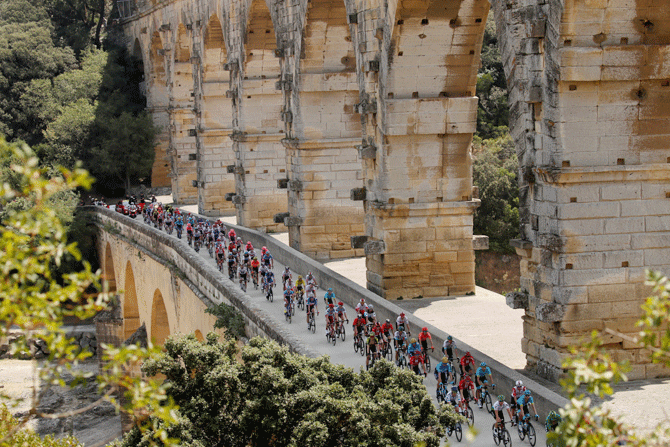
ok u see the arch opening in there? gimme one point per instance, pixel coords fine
(260, 60)
(160, 325)
(109, 275)
(131, 311)
(327, 44)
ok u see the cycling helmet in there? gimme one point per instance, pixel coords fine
(424, 329)
(331, 305)
(501, 398)
(388, 321)
(365, 314)
(401, 327)
(362, 300)
(527, 392)
(299, 276)
(370, 308)
(402, 314)
(264, 249)
(413, 340)
(454, 389)
(482, 364)
(255, 258)
(519, 383)
(445, 360)
(239, 238)
(467, 353)
(450, 338)
(287, 268)
(330, 289)
(340, 303)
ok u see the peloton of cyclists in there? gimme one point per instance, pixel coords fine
(480, 380)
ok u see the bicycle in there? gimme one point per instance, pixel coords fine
(179, 231)
(527, 429)
(341, 332)
(254, 278)
(196, 244)
(210, 248)
(288, 311)
(402, 359)
(485, 397)
(232, 270)
(189, 238)
(441, 392)
(331, 335)
(357, 338)
(300, 298)
(311, 325)
(501, 435)
(457, 429)
(466, 411)
(269, 295)
(426, 358)
(373, 358)
(243, 282)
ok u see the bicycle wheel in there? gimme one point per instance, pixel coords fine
(459, 432)
(361, 346)
(531, 435)
(496, 436)
(522, 432)
(450, 430)
(355, 344)
(389, 353)
(470, 415)
(334, 338)
(343, 334)
(427, 359)
(488, 403)
(506, 439)
(313, 325)
(271, 295)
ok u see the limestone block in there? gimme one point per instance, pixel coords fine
(517, 300)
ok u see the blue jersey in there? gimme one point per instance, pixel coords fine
(443, 367)
(483, 371)
(329, 297)
(414, 347)
(311, 301)
(521, 403)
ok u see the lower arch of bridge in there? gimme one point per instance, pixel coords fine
(131, 311)
(160, 325)
(108, 265)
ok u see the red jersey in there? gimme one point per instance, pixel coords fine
(424, 336)
(387, 327)
(415, 360)
(467, 359)
(359, 321)
(466, 383)
(377, 329)
(255, 264)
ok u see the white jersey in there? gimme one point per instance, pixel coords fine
(498, 406)
(402, 320)
(361, 307)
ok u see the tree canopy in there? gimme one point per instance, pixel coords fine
(275, 398)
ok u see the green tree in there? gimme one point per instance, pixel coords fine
(495, 170)
(35, 302)
(276, 398)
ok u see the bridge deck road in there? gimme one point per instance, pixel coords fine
(343, 352)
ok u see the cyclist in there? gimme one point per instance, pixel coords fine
(329, 297)
(449, 348)
(220, 255)
(415, 357)
(443, 372)
(467, 388)
(311, 305)
(480, 379)
(268, 260)
(189, 233)
(371, 348)
(498, 408)
(255, 266)
(453, 398)
(179, 224)
(300, 285)
(552, 421)
(402, 320)
(310, 279)
(387, 329)
(424, 337)
(249, 246)
(361, 307)
(243, 276)
(517, 391)
(359, 325)
(467, 364)
(231, 265)
(399, 341)
(330, 319)
(286, 275)
(270, 279)
(231, 235)
(288, 300)
(372, 316)
(341, 313)
(524, 403)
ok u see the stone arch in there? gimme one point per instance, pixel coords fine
(131, 311)
(160, 324)
(182, 50)
(198, 335)
(327, 43)
(260, 60)
(215, 51)
(156, 57)
(109, 275)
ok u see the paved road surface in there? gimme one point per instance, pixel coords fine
(343, 352)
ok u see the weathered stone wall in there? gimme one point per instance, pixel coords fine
(589, 114)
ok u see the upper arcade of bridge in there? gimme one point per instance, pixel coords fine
(322, 96)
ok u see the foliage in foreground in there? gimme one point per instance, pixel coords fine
(274, 397)
(35, 302)
(591, 373)
(29, 438)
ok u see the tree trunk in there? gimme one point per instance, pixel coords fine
(98, 29)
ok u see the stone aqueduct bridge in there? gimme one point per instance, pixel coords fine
(322, 96)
